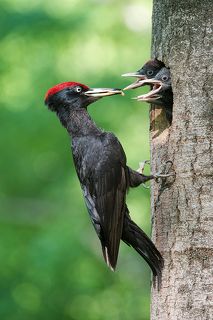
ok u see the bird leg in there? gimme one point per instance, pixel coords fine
(137, 177)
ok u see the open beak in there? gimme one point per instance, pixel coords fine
(138, 83)
(154, 93)
(102, 92)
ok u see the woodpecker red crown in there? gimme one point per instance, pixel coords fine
(62, 86)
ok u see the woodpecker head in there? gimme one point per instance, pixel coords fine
(148, 71)
(75, 95)
(161, 88)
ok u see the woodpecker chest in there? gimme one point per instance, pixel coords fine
(87, 153)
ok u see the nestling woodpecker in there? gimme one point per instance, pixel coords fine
(161, 93)
(105, 178)
(155, 74)
(148, 71)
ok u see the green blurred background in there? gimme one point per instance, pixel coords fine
(51, 263)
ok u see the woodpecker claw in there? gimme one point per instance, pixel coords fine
(142, 165)
(145, 186)
(160, 174)
(163, 175)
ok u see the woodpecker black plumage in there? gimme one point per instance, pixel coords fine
(104, 176)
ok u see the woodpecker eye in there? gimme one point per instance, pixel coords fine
(165, 78)
(78, 89)
(150, 72)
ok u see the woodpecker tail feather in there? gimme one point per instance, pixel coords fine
(136, 238)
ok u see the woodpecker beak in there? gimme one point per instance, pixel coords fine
(153, 94)
(136, 84)
(102, 92)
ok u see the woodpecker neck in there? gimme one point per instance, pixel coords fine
(77, 121)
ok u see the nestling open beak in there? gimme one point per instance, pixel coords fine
(136, 84)
(139, 83)
(153, 94)
(102, 92)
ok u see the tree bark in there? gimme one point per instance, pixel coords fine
(182, 208)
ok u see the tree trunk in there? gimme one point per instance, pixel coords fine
(182, 208)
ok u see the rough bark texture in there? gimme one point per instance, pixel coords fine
(182, 208)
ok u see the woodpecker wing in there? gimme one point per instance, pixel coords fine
(104, 179)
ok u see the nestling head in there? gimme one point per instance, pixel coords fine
(164, 78)
(161, 92)
(148, 71)
(151, 68)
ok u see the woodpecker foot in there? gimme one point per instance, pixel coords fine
(166, 173)
(163, 175)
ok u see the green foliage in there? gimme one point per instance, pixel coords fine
(51, 262)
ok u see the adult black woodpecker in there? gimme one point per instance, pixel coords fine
(104, 176)
(147, 71)
(161, 93)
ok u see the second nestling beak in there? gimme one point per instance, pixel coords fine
(152, 95)
(138, 83)
(102, 92)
